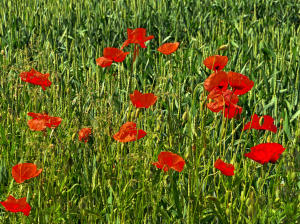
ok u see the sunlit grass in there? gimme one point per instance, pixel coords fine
(104, 181)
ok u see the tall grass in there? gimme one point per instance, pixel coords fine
(108, 182)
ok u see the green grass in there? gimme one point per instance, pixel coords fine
(105, 181)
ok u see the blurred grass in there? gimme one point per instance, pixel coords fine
(109, 182)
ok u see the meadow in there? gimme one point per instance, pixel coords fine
(106, 181)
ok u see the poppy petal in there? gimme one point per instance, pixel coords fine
(16, 205)
(140, 100)
(84, 133)
(265, 152)
(218, 79)
(169, 160)
(216, 62)
(36, 78)
(104, 62)
(25, 171)
(225, 168)
(129, 133)
(240, 83)
(268, 123)
(168, 48)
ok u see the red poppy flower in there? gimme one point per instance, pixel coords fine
(265, 152)
(129, 133)
(169, 160)
(232, 110)
(84, 134)
(136, 36)
(41, 121)
(16, 205)
(111, 54)
(267, 125)
(218, 79)
(240, 83)
(225, 168)
(224, 100)
(140, 100)
(168, 48)
(25, 171)
(216, 62)
(36, 78)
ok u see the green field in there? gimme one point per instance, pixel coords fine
(105, 181)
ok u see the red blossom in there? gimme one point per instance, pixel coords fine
(140, 100)
(218, 79)
(129, 133)
(240, 83)
(265, 152)
(137, 36)
(225, 168)
(169, 160)
(168, 48)
(216, 62)
(84, 134)
(16, 205)
(41, 121)
(110, 55)
(36, 78)
(25, 171)
(268, 123)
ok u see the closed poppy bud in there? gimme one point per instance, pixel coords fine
(184, 116)
(223, 47)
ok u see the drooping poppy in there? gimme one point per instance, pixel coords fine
(268, 123)
(218, 79)
(110, 55)
(225, 168)
(168, 48)
(16, 205)
(136, 36)
(240, 83)
(84, 133)
(216, 62)
(140, 100)
(41, 121)
(25, 171)
(265, 152)
(36, 78)
(129, 133)
(169, 160)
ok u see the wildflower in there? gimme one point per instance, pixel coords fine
(25, 171)
(268, 123)
(36, 78)
(218, 79)
(169, 160)
(129, 133)
(110, 55)
(136, 36)
(225, 168)
(41, 121)
(240, 83)
(265, 152)
(16, 205)
(140, 100)
(168, 48)
(84, 134)
(216, 62)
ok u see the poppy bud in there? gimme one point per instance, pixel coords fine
(132, 115)
(2, 52)
(223, 47)
(227, 211)
(137, 113)
(251, 211)
(269, 139)
(243, 196)
(184, 116)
